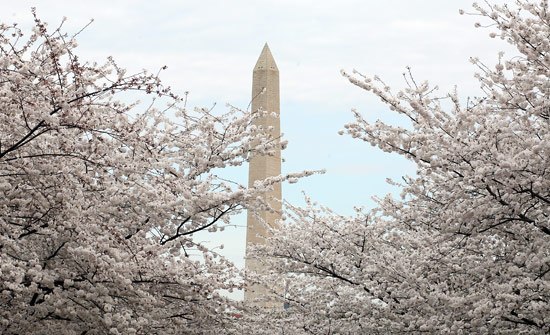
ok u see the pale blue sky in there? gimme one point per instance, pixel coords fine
(210, 48)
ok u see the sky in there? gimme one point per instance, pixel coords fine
(211, 47)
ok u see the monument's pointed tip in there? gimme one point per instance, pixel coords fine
(266, 61)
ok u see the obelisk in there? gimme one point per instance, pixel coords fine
(265, 97)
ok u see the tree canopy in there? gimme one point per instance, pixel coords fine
(467, 247)
(99, 199)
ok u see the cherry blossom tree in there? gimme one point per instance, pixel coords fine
(467, 247)
(99, 200)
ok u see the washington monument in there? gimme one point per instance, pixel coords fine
(265, 79)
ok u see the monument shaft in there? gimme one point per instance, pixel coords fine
(265, 79)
